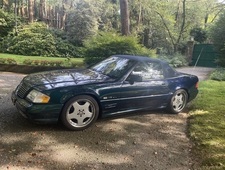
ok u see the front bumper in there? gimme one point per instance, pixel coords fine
(42, 113)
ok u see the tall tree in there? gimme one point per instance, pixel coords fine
(31, 10)
(21, 8)
(63, 15)
(82, 21)
(42, 10)
(125, 24)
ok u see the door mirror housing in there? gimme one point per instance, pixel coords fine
(134, 78)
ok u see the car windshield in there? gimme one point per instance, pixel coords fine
(114, 67)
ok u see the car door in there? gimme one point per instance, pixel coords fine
(148, 89)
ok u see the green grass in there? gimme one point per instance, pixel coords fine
(207, 125)
(20, 58)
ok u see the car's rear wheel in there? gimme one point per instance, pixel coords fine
(80, 112)
(178, 101)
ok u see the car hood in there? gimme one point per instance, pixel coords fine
(63, 78)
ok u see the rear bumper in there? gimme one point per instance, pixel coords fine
(41, 113)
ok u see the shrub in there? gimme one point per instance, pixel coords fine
(199, 34)
(64, 47)
(2, 60)
(76, 64)
(7, 23)
(7, 61)
(10, 61)
(218, 74)
(106, 44)
(27, 62)
(33, 39)
(176, 60)
(36, 62)
(37, 40)
(216, 32)
(43, 63)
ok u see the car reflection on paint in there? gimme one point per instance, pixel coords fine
(116, 85)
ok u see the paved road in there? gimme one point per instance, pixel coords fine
(201, 72)
(150, 140)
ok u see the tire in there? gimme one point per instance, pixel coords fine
(80, 112)
(178, 101)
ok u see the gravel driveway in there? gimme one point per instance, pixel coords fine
(142, 140)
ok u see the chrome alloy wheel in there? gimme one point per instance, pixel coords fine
(178, 101)
(80, 112)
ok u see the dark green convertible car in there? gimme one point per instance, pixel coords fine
(118, 84)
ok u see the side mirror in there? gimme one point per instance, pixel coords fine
(134, 78)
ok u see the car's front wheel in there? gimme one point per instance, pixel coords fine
(80, 112)
(178, 101)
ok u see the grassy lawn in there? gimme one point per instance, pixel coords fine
(207, 125)
(20, 58)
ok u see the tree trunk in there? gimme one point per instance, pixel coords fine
(50, 15)
(31, 10)
(63, 15)
(36, 12)
(182, 26)
(8, 5)
(124, 17)
(2, 4)
(172, 39)
(41, 11)
(21, 9)
(56, 17)
(16, 14)
(139, 17)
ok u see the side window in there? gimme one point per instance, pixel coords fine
(149, 71)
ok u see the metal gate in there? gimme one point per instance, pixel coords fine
(204, 55)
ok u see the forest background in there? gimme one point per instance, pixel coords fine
(96, 29)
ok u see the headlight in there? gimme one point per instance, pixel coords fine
(38, 97)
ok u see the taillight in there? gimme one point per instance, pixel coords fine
(196, 85)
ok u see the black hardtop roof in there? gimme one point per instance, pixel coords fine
(139, 58)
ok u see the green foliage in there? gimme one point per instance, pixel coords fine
(64, 47)
(217, 32)
(158, 24)
(54, 63)
(81, 22)
(176, 60)
(199, 34)
(7, 61)
(33, 39)
(42, 62)
(106, 44)
(109, 15)
(207, 122)
(218, 74)
(37, 40)
(7, 22)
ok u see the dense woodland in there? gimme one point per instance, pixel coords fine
(162, 25)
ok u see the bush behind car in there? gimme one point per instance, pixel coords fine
(105, 44)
